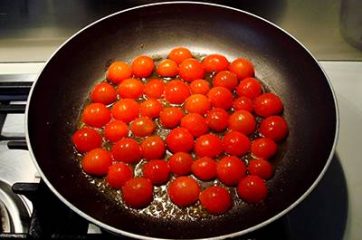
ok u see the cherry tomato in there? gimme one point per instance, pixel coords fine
(157, 171)
(96, 162)
(274, 127)
(125, 110)
(176, 91)
(86, 139)
(204, 168)
(115, 130)
(130, 88)
(153, 147)
(242, 121)
(216, 200)
(137, 192)
(268, 104)
(154, 88)
(142, 126)
(184, 191)
(226, 79)
(167, 68)
(236, 143)
(208, 145)
(261, 168)
(215, 63)
(103, 93)
(242, 67)
(220, 97)
(150, 108)
(191, 69)
(127, 150)
(142, 66)
(200, 86)
(243, 103)
(249, 87)
(96, 115)
(264, 148)
(252, 189)
(217, 119)
(118, 174)
(197, 103)
(118, 71)
(171, 117)
(180, 163)
(195, 123)
(180, 140)
(230, 170)
(179, 54)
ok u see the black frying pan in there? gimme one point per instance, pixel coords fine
(281, 63)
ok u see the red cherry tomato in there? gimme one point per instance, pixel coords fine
(216, 200)
(263, 148)
(268, 104)
(226, 79)
(261, 168)
(249, 87)
(215, 63)
(274, 127)
(118, 71)
(115, 130)
(208, 145)
(125, 110)
(153, 147)
(243, 103)
(242, 121)
(200, 86)
(150, 108)
(86, 139)
(167, 68)
(242, 67)
(217, 119)
(96, 115)
(127, 150)
(204, 168)
(252, 189)
(176, 91)
(191, 69)
(180, 163)
(230, 170)
(220, 97)
(236, 143)
(142, 66)
(197, 103)
(119, 174)
(157, 171)
(171, 117)
(96, 162)
(184, 191)
(179, 54)
(103, 93)
(137, 192)
(130, 88)
(195, 123)
(180, 140)
(154, 88)
(142, 126)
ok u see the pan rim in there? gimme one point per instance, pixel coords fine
(138, 236)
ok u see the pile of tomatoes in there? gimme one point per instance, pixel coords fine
(182, 122)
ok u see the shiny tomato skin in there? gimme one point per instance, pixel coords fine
(96, 115)
(225, 79)
(157, 171)
(130, 88)
(103, 93)
(180, 140)
(263, 148)
(153, 147)
(252, 189)
(197, 103)
(236, 143)
(261, 168)
(142, 66)
(243, 103)
(142, 126)
(176, 91)
(137, 192)
(170, 117)
(217, 119)
(208, 145)
(96, 162)
(220, 97)
(191, 69)
(195, 123)
(230, 170)
(216, 200)
(154, 88)
(86, 139)
(249, 87)
(204, 168)
(167, 68)
(125, 110)
(215, 63)
(115, 130)
(179, 54)
(274, 127)
(199, 86)
(150, 108)
(268, 104)
(127, 150)
(183, 191)
(118, 71)
(242, 67)
(118, 174)
(180, 163)
(242, 121)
